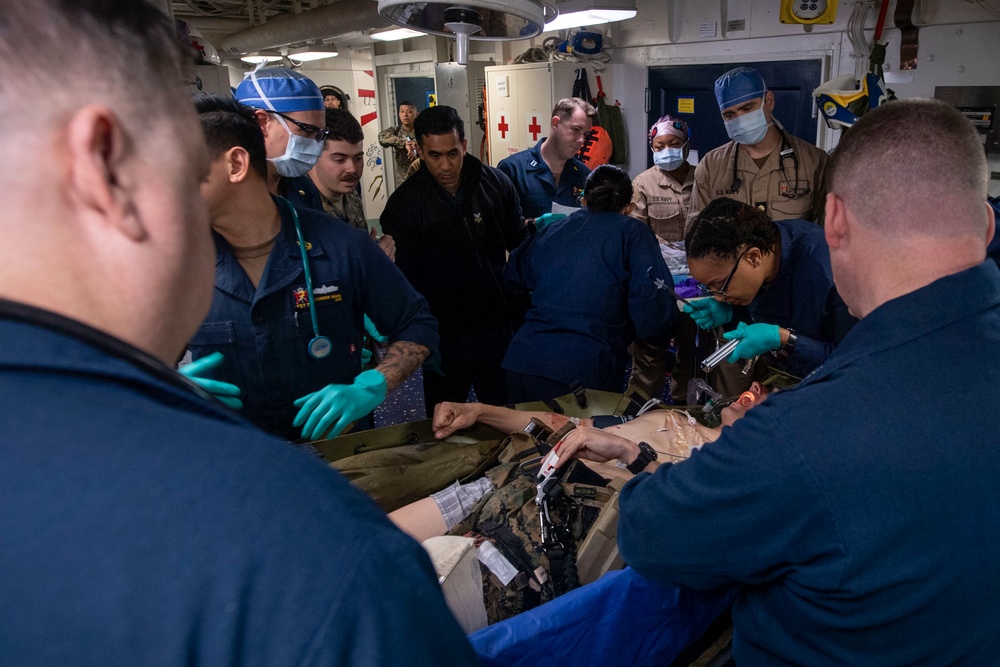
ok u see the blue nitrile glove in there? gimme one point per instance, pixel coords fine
(546, 219)
(227, 394)
(755, 339)
(709, 313)
(339, 405)
(373, 332)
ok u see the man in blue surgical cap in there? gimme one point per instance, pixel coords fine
(289, 108)
(763, 165)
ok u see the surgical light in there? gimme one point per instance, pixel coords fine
(489, 20)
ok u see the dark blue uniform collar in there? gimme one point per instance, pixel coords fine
(536, 165)
(944, 302)
(284, 264)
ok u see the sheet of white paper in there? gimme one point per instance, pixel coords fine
(565, 210)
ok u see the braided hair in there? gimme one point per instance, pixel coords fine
(725, 227)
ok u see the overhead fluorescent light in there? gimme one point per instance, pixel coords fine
(257, 58)
(317, 52)
(395, 34)
(579, 13)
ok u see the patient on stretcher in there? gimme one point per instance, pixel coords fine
(670, 433)
(567, 538)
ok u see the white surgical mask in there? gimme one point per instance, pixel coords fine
(301, 154)
(669, 159)
(748, 129)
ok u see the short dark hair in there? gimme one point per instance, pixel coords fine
(333, 91)
(567, 106)
(726, 227)
(227, 123)
(912, 166)
(438, 120)
(130, 54)
(343, 126)
(608, 189)
(405, 103)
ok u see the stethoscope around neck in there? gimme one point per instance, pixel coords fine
(319, 346)
(786, 152)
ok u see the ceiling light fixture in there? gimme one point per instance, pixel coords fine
(579, 13)
(395, 34)
(257, 58)
(314, 52)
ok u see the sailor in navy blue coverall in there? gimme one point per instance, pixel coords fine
(141, 522)
(535, 185)
(803, 297)
(774, 276)
(592, 278)
(855, 514)
(264, 333)
(550, 171)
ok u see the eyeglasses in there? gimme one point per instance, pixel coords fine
(722, 290)
(318, 133)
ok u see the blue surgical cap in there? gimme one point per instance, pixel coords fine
(737, 86)
(279, 89)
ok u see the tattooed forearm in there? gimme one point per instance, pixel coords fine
(400, 360)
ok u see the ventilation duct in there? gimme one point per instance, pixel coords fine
(326, 22)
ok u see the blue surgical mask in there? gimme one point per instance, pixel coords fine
(748, 129)
(301, 154)
(669, 159)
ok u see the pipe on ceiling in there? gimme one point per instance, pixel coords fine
(325, 22)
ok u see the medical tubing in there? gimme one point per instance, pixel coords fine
(305, 265)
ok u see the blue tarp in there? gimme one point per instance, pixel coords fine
(620, 619)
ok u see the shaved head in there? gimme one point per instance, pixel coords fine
(912, 167)
(131, 60)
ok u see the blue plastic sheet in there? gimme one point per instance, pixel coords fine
(620, 619)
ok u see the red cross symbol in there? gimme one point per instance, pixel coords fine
(502, 127)
(534, 128)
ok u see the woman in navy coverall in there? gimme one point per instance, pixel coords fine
(593, 280)
(772, 280)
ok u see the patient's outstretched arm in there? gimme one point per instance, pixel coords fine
(420, 520)
(451, 417)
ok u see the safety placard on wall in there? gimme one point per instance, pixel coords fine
(685, 105)
(502, 90)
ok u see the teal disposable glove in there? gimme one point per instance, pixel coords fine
(327, 412)
(227, 394)
(546, 219)
(373, 332)
(709, 313)
(755, 339)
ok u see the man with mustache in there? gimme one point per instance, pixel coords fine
(338, 173)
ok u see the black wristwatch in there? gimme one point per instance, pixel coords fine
(793, 338)
(646, 456)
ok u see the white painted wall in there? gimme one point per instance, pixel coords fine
(959, 45)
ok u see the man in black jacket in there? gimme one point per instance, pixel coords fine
(454, 221)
